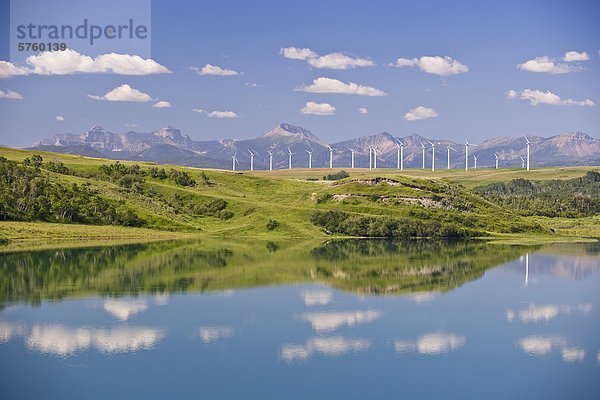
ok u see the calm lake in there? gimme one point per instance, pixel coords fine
(301, 320)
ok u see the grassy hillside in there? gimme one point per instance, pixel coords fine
(283, 204)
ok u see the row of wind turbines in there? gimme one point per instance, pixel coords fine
(373, 156)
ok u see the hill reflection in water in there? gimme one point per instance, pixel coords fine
(360, 266)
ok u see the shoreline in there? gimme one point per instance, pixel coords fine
(36, 236)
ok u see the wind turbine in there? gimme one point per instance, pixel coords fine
(375, 157)
(290, 158)
(527, 151)
(522, 162)
(423, 148)
(270, 160)
(352, 152)
(450, 148)
(475, 158)
(309, 158)
(251, 160)
(330, 156)
(496, 155)
(466, 155)
(400, 154)
(432, 156)
(370, 157)
(234, 161)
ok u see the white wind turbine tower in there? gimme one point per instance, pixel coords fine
(423, 148)
(309, 158)
(352, 152)
(251, 160)
(330, 156)
(270, 160)
(450, 148)
(496, 155)
(522, 162)
(475, 159)
(466, 155)
(234, 161)
(400, 154)
(290, 158)
(527, 151)
(375, 157)
(370, 157)
(432, 156)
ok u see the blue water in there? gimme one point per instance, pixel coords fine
(509, 334)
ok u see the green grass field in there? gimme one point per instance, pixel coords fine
(290, 197)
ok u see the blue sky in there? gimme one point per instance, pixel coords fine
(464, 97)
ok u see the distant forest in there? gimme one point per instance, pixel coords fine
(571, 198)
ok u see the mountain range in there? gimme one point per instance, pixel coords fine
(169, 146)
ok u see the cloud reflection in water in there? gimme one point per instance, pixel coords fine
(64, 341)
(433, 343)
(316, 297)
(123, 309)
(543, 313)
(330, 321)
(540, 345)
(329, 346)
(211, 334)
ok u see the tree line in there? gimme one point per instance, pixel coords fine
(571, 198)
(26, 194)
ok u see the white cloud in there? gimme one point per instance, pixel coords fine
(330, 61)
(329, 346)
(252, 85)
(329, 85)
(420, 113)
(434, 65)
(59, 118)
(161, 104)
(211, 334)
(312, 108)
(330, 321)
(131, 125)
(537, 97)
(363, 110)
(339, 61)
(63, 341)
(210, 69)
(123, 308)
(70, 61)
(217, 114)
(296, 53)
(8, 70)
(434, 343)
(571, 56)
(316, 297)
(124, 93)
(9, 94)
(547, 65)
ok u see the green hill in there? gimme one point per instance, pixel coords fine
(51, 188)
